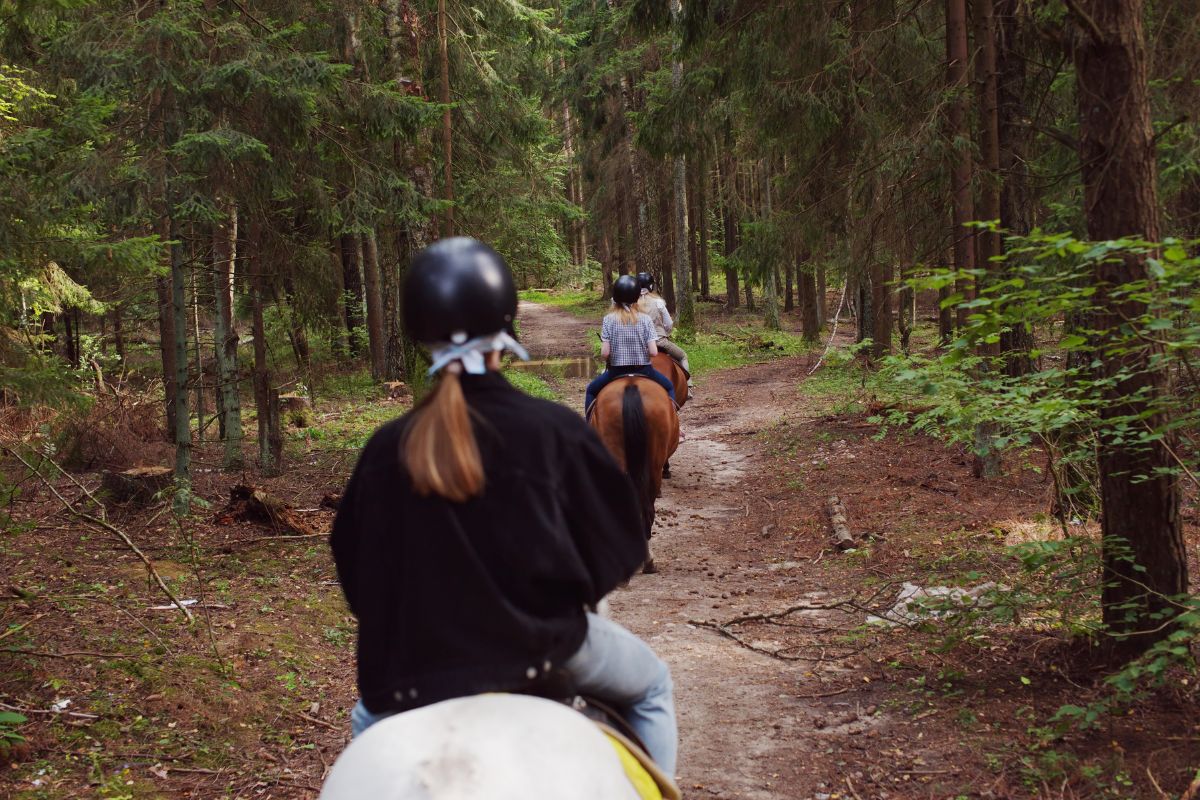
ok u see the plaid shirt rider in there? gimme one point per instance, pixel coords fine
(628, 344)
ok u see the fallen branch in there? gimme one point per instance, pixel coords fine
(70, 654)
(841, 530)
(102, 524)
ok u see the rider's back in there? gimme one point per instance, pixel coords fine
(460, 598)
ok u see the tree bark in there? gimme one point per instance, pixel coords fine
(352, 290)
(225, 335)
(262, 374)
(1144, 556)
(882, 275)
(810, 326)
(770, 297)
(1013, 132)
(447, 126)
(183, 432)
(684, 301)
(376, 338)
(957, 110)
(702, 212)
(730, 231)
(166, 346)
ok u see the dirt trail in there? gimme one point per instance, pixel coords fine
(744, 731)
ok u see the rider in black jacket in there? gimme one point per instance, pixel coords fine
(475, 529)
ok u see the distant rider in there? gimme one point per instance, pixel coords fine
(627, 342)
(477, 527)
(652, 305)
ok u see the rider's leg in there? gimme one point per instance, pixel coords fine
(662, 380)
(675, 352)
(593, 388)
(361, 718)
(619, 668)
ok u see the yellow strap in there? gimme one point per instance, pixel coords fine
(643, 783)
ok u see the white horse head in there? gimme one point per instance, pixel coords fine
(486, 747)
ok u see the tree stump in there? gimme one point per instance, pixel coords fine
(294, 408)
(137, 486)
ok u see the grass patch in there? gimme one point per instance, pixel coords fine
(531, 384)
(727, 346)
(579, 302)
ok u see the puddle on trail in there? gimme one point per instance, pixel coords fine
(559, 367)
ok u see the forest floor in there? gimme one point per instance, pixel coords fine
(782, 690)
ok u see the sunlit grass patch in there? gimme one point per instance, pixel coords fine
(579, 302)
(531, 384)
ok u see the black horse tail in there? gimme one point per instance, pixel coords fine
(637, 463)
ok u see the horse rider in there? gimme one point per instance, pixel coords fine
(652, 305)
(627, 342)
(477, 528)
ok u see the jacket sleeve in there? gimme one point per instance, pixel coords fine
(603, 515)
(346, 540)
(668, 324)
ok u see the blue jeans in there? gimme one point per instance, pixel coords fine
(618, 668)
(612, 373)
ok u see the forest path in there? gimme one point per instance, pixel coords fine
(743, 730)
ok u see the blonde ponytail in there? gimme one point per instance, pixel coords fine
(627, 315)
(439, 447)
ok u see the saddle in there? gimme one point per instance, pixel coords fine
(650, 782)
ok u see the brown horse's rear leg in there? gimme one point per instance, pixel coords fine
(649, 568)
(666, 469)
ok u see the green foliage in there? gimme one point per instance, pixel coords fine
(1064, 404)
(10, 721)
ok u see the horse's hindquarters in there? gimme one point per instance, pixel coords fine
(487, 747)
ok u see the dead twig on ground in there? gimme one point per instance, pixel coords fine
(101, 523)
(69, 654)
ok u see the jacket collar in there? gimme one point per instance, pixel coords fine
(489, 381)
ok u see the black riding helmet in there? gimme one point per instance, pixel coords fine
(645, 281)
(626, 291)
(457, 289)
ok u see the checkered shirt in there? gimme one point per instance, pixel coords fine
(628, 343)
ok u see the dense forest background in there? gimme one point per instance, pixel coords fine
(208, 208)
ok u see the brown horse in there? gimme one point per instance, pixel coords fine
(638, 424)
(674, 373)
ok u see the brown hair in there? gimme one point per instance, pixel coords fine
(439, 447)
(627, 315)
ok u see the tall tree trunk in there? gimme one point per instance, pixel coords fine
(684, 301)
(1144, 556)
(262, 375)
(1013, 140)
(118, 313)
(822, 311)
(413, 156)
(693, 233)
(730, 231)
(770, 296)
(882, 274)
(183, 432)
(606, 265)
(225, 335)
(447, 126)
(352, 290)
(199, 386)
(702, 213)
(958, 134)
(166, 346)
(667, 244)
(990, 245)
(789, 293)
(376, 338)
(810, 325)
